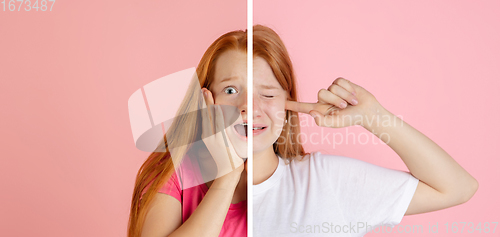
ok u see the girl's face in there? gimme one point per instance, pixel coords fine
(229, 88)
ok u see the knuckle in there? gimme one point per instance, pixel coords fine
(330, 88)
(335, 88)
(338, 79)
(344, 82)
(321, 92)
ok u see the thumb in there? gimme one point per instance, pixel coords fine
(329, 121)
(318, 117)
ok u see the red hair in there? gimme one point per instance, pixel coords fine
(159, 166)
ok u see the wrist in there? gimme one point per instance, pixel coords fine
(229, 180)
(376, 117)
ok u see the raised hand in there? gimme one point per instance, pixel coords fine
(343, 104)
(216, 139)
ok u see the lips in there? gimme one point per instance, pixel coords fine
(241, 128)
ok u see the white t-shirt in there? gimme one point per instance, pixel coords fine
(330, 195)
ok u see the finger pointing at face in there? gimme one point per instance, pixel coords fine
(306, 108)
(299, 106)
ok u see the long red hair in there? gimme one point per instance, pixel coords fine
(159, 166)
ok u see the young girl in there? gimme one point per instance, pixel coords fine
(165, 201)
(294, 192)
(310, 194)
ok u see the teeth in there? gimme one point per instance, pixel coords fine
(246, 124)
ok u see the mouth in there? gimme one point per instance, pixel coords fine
(241, 129)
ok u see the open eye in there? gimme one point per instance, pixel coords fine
(230, 90)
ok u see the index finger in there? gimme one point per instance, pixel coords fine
(300, 107)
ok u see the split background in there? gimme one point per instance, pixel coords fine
(68, 160)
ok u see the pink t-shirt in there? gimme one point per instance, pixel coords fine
(235, 223)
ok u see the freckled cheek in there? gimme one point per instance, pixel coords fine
(275, 110)
(224, 101)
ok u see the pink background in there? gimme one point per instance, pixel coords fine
(68, 160)
(435, 63)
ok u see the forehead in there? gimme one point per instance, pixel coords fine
(231, 65)
(263, 76)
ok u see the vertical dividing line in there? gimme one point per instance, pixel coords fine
(250, 117)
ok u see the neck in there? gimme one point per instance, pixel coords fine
(264, 165)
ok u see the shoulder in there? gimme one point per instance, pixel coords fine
(320, 159)
(335, 165)
(318, 164)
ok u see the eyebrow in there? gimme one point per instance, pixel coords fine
(268, 87)
(227, 79)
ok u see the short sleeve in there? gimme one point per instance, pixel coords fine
(172, 187)
(367, 192)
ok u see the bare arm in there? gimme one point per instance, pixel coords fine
(443, 182)
(165, 215)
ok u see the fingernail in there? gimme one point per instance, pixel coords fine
(314, 115)
(343, 105)
(354, 101)
(353, 93)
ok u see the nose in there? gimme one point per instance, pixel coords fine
(256, 107)
(257, 112)
(243, 105)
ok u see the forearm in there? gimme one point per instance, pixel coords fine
(209, 216)
(425, 159)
